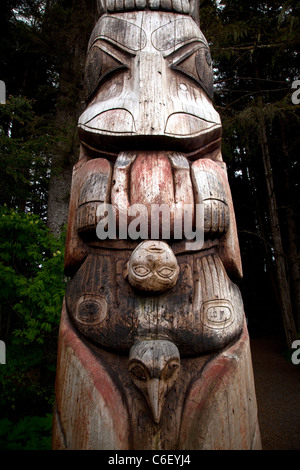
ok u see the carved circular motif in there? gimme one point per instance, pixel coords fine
(217, 314)
(91, 309)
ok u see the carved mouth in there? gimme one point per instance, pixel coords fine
(109, 145)
(154, 249)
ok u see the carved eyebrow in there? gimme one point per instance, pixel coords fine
(119, 32)
(176, 33)
(182, 53)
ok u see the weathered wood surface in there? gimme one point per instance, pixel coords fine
(203, 312)
(149, 85)
(211, 405)
(154, 368)
(153, 346)
(150, 178)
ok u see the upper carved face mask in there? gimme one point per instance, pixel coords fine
(149, 76)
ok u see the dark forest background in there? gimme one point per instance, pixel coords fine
(255, 50)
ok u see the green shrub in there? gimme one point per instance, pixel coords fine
(31, 296)
(31, 274)
(30, 433)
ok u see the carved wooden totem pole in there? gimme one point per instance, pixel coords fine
(153, 346)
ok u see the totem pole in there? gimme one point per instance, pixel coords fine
(153, 348)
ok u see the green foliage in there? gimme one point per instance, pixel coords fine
(30, 433)
(254, 48)
(26, 146)
(31, 295)
(31, 273)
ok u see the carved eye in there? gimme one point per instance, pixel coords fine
(138, 372)
(98, 65)
(141, 271)
(170, 369)
(204, 70)
(208, 58)
(93, 68)
(165, 272)
(197, 64)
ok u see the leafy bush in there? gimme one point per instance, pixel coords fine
(30, 433)
(32, 280)
(31, 296)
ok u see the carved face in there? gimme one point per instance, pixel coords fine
(148, 74)
(153, 267)
(154, 368)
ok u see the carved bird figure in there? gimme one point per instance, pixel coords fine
(154, 368)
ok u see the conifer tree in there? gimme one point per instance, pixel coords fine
(254, 47)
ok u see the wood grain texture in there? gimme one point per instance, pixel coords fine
(154, 368)
(170, 111)
(178, 6)
(153, 346)
(98, 406)
(203, 312)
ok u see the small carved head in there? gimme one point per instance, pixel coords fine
(154, 368)
(152, 267)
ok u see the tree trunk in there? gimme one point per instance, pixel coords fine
(69, 107)
(292, 250)
(280, 266)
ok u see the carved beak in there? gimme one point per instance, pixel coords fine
(156, 397)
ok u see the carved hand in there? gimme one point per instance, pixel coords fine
(216, 217)
(210, 192)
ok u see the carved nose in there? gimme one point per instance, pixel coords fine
(151, 87)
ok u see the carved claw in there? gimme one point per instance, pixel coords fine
(154, 368)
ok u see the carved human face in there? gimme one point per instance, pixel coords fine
(149, 75)
(153, 267)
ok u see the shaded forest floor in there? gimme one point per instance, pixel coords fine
(277, 383)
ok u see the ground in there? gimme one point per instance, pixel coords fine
(277, 383)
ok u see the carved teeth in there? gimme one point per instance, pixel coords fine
(154, 368)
